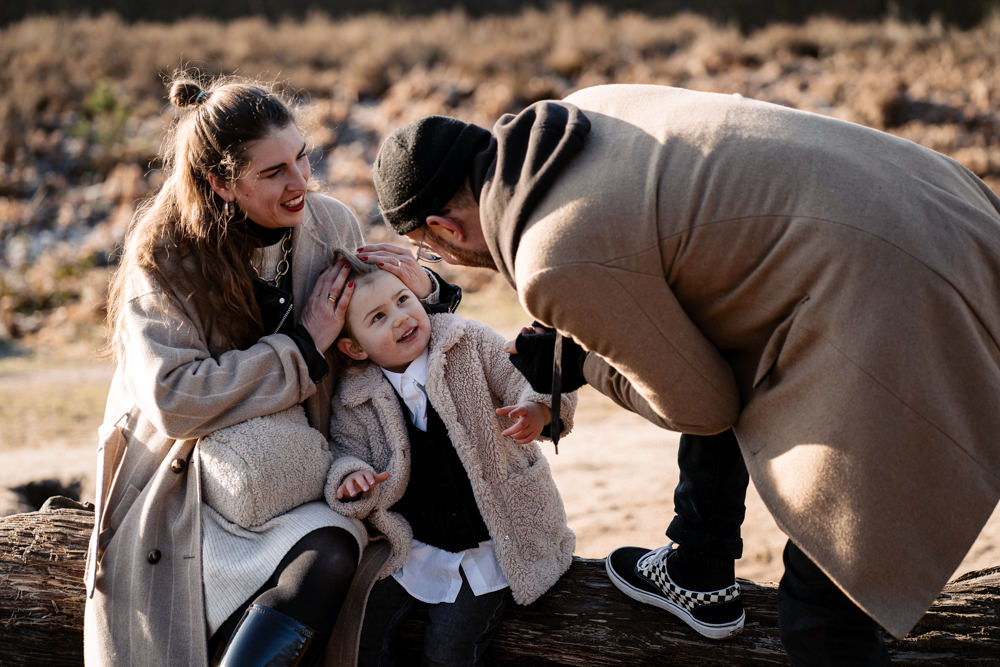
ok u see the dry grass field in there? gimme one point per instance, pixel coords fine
(82, 108)
(82, 104)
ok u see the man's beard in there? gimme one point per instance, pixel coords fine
(454, 255)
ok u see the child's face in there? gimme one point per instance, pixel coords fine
(387, 322)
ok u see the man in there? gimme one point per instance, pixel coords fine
(824, 290)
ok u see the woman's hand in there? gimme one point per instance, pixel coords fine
(401, 263)
(326, 309)
(530, 418)
(359, 482)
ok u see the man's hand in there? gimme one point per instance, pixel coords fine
(532, 352)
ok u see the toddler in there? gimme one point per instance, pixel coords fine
(434, 436)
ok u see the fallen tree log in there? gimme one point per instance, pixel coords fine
(583, 620)
(42, 595)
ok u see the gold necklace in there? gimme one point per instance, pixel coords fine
(281, 268)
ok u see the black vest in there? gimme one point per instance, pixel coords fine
(438, 502)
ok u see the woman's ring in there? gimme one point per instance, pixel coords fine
(332, 299)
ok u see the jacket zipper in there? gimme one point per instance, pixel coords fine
(284, 317)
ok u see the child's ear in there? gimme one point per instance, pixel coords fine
(351, 349)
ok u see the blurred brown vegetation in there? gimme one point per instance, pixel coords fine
(744, 13)
(83, 105)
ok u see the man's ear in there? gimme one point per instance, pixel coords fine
(446, 227)
(222, 187)
(351, 349)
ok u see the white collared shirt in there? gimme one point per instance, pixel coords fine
(430, 574)
(410, 386)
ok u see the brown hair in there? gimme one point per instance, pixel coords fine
(179, 236)
(359, 271)
(463, 197)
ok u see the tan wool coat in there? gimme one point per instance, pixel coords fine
(468, 377)
(144, 587)
(828, 290)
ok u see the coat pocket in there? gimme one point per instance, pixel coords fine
(117, 515)
(110, 452)
(116, 490)
(534, 519)
(769, 357)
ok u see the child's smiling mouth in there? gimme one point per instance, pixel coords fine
(408, 336)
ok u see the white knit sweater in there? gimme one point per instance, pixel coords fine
(237, 561)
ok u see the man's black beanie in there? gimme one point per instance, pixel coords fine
(421, 166)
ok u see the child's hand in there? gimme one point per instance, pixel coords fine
(359, 482)
(530, 418)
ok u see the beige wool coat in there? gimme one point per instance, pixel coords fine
(828, 290)
(143, 577)
(468, 377)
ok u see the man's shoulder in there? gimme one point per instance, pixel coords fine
(610, 92)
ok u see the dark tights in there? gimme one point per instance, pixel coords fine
(309, 585)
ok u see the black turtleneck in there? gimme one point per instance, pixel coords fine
(276, 302)
(262, 236)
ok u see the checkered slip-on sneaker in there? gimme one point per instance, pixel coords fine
(642, 575)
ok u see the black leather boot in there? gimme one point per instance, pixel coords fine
(265, 637)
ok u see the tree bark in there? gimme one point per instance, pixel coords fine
(42, 595)
(583, 620)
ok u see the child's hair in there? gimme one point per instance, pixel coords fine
(360, 271)
(358, 268)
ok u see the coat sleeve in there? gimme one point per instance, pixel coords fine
(656, 362)
(185, 391)
(351, 441)
(356, 508)
(507, 383)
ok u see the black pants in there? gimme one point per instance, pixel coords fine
(819, 625)
(709, 501)
(457, 633)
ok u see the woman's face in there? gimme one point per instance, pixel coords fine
(272, 190)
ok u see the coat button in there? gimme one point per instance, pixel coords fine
(178, 465)
(153, 556)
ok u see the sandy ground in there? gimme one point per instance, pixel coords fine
(616, 473)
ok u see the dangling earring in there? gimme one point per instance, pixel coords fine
(227, 208)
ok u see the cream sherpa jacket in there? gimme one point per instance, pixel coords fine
(468, 377)
(263, 467)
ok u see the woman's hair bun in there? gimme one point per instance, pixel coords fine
(186, 94)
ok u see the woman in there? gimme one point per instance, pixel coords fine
(223, 309)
